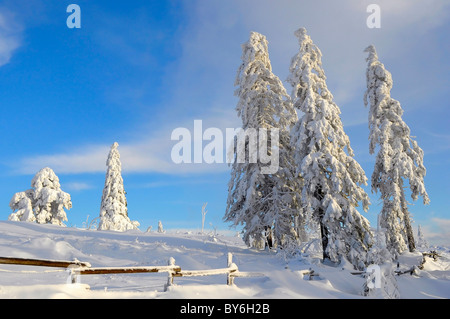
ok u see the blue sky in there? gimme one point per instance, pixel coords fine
(137, 70)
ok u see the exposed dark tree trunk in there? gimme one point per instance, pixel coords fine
(319, 195)
(269, 239)
(409, 231)
(323, 234)
(407, 221)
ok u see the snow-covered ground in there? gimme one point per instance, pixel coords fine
(192, 251)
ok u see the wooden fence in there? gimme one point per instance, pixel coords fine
(231, 271)
(78, 268)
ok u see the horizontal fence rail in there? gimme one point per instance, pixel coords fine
(42, 262)
(126, 270)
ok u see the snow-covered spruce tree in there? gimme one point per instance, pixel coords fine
(323, 156)
(160, 227)
(44, 203)
(21, 205)
(266, 204)
(49, 201)
(422, 244)
(113, 209)
(399, 158)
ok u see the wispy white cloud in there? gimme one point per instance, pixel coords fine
(87, 159)
(10, 35)
(149, 152)
(437, 231)
(438, 142)
(76, 186)
(171, 183)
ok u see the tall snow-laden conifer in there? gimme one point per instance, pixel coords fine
(323, 156)
(399, 158)
(113, 210)
(266, 204)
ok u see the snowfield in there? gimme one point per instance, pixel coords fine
(192, 251)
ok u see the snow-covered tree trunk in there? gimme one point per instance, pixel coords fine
(113, 209)
(323, 157)
(407, 220)
(265, 204)
(399, 158)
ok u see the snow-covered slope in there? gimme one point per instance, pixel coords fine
(191, 252)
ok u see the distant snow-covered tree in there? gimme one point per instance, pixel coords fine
(160, 227)
(49, 201)
(399, 158)
(113, 209)
(422, 244)
(323, 156)
(21, 204)
(44, 203)
(265, 204)
(204, 212)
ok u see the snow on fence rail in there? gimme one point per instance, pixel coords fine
(231, 271)
(42, 262)
(78, 268)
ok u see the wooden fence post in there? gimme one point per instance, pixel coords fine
(171, 262)
(230, 279)
(73, 274)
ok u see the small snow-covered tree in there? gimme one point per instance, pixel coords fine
(113, 209)
(323, 156)
(422, 244)
(44, 203)
(160, 227)
(399, 158)
(378, 253)
(204, 212)
(380, 256)
(21, 204)
(264, 203)
(49, 201)
(383, 283)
